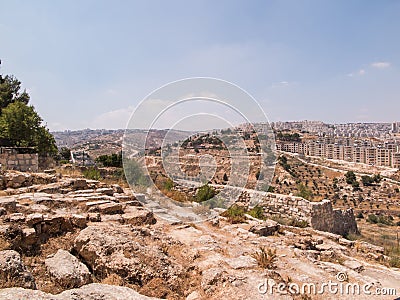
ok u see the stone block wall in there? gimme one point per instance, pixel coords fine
(20, 162)
(319, 215)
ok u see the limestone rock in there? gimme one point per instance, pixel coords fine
(123, 250)
(242, 262)
(138, 216)
(117, 189)
(110, 208)
(354, 265)
(30, 237)
(93, 291)
(211, 277)
(106, 191)
(267, 228)
(94, 217)
(9, 204)
(78, 221)
(17, 218)
(67, 270)
(21, 293)
(33, 219)
(13, 269)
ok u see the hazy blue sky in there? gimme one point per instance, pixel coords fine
(89, 63)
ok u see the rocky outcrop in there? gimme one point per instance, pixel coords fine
(123, 250)
(13, 271)
(94, 291)
(15, 179)
(138, 216)
(266, 228)
(67, 270)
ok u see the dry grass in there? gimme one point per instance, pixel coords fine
(113, 279)
(265, 257)
(4, 244)
(35, 263)
(69, 171)
(385, 236)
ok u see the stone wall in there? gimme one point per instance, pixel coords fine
(21, 162)
(319, 215)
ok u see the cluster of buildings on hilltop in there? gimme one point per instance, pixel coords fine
(377, 154)
(360, 130)
(395, 127)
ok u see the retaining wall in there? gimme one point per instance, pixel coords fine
(319, 215)
(20, 162)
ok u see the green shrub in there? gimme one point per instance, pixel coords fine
(394, 262)
(169, 184)
(216, 202)
(380, 220)
(360, 215)
(235, 214)
(113, 160)
(304, 192)
(298, 223)
(91, 173)
(257, 212)
(134, 173)
(205, 193)
(350, 177)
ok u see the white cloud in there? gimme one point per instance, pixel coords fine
(115, 119)
(360, 72)
(380, 65)
(282, 84)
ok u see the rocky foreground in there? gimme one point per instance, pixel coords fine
(72, 238)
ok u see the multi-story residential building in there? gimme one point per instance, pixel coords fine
(396, 160)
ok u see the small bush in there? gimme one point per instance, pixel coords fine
(205, 193)
(235, 214)
(353, 236)
(113, 160)
(257, 212)
(169, 184)
(360, 215)
(298, 223)
(91, 173)
(265, 258)
(380, 220)
(394, 262)
(134, 173)
(304, 192)
(216, 202)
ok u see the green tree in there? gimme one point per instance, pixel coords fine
(350, 177)
(367, 180)
(65, 153)
(113, 160)
(10, 91)
(22, 126)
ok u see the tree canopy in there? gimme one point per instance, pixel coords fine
(10, 91)
(20, 124)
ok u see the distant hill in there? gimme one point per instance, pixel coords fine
(97, 142)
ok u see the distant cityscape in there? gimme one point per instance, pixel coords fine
(375, 144)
